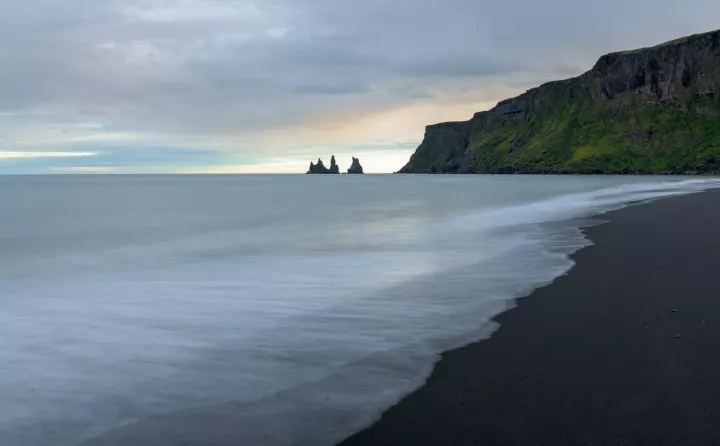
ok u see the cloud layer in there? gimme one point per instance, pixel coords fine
(235, 85)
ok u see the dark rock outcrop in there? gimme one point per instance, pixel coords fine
(510, 106)
(651, 110)
(355, 168)
(320, 168)
(333, 165)
(317, 168)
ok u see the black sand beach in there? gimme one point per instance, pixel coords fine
(625, 349)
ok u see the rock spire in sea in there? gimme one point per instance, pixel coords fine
(355, 167)
(321, 169)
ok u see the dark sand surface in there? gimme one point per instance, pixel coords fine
(625, 349)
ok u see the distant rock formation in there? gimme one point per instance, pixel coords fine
(317, 168)
(320, 168)
(356, 167)
(333, 165)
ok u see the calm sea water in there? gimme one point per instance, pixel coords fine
(262, 310)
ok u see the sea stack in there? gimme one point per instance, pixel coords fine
(355, 167)
(320, 168)
(333, 166)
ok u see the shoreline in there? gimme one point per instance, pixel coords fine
(598, 173)
(622, 349)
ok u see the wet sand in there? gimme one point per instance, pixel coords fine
(625, 349)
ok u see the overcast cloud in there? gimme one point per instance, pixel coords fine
(253, 86)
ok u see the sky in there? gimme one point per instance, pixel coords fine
(245, 86)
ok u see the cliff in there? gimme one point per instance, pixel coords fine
(652, 110)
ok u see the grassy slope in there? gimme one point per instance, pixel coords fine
(577, 133)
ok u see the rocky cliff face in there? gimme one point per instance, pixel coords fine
(355, 168)
(320, 168)
(649, 110)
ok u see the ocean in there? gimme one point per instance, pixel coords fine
(263, 309)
